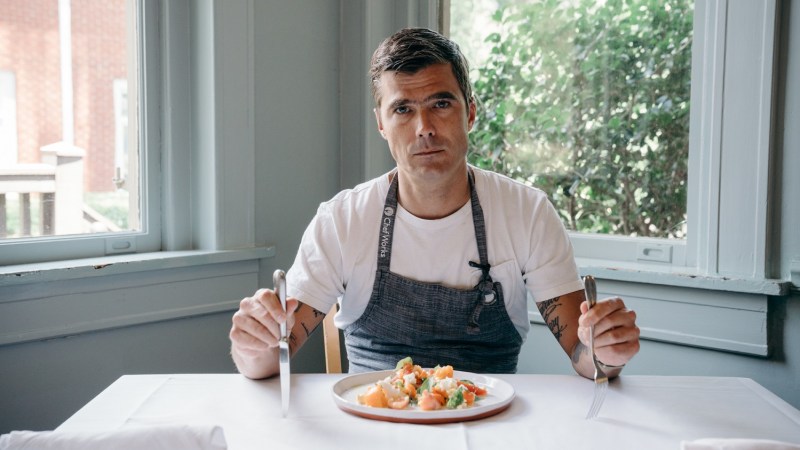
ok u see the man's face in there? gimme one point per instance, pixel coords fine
(425, 119)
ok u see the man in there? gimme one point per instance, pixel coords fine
(433, 260)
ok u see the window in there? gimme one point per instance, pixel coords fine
(589, 102)
(74, 118)
(725, 193)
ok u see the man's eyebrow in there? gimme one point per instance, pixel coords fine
(398, 103)
(443, 95)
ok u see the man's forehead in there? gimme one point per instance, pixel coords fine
(437, 79)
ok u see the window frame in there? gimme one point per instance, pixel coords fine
(200, 197)
(728, 37)
(17, 251)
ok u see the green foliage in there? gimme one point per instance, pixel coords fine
(590, 103)
(112, 205)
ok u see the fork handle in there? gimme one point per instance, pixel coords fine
(590, 291)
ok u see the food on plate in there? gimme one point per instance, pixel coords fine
(411, 386)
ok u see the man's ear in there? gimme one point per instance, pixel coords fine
(378, 120)
(473, 111)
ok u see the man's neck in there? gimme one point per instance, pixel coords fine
(433, 198)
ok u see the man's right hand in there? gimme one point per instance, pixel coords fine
(256, 332)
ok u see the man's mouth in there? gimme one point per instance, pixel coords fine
(428, 152)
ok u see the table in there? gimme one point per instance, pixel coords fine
(651, 412)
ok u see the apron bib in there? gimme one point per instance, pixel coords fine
(434, 324)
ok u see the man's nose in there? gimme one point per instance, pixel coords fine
(424, 125)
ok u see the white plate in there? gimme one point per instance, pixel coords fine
(499, 397)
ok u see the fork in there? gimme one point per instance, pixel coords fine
(600, 377)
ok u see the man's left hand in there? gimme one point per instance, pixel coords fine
(616, 336)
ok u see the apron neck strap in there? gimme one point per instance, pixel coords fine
(480, 226)
(389, 215)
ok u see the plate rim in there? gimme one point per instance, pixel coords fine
(411, 416)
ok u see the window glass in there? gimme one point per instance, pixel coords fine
(587, 100)
(68, 104)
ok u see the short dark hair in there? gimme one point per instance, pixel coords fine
(413, 49)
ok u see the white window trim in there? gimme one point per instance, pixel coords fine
(200, 196)
(730, 135)
(25, 274)
(731, 145)
(208, 249)
(42, 249)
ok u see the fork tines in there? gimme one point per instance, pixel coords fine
(600, 377)
(600, 388)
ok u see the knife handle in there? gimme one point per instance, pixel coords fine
(279, 283)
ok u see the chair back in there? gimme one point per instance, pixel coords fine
(333, 351)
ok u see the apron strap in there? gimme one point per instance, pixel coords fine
(387, 227)
(488, 290)
(479, 224)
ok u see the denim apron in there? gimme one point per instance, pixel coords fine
(434, 324)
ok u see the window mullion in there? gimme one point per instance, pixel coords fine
(705, 131)
(731, 137)
(745, 138)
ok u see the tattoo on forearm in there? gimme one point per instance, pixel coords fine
(556, 328)
(547, 308)
(303, 324)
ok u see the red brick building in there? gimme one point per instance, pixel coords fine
(30, 59)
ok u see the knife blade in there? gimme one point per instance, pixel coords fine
(279, 282)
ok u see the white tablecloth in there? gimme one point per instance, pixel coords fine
(640, 412)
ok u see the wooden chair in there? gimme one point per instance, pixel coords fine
(333, 352)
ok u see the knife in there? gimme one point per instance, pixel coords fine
(279, 281)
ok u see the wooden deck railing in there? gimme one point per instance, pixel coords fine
(57, 184)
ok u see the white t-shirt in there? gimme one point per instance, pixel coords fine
(528, 248)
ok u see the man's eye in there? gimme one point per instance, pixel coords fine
(442, 104)
(401, 110)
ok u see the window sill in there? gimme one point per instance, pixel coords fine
(124, 264)
(66, 298)
(676, 306)
(680, 277)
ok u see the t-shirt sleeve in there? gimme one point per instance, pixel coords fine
(551, 270)
(315, 277)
